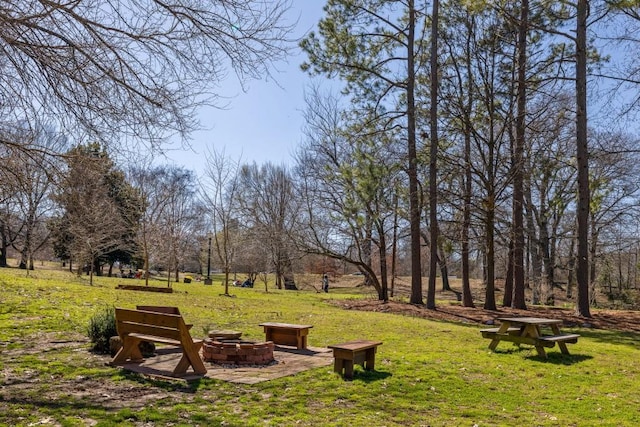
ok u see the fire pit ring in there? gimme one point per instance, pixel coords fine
(237, 352)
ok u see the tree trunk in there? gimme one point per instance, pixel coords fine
(467, 297)
(582, 155)
(571, 266)
(518, 164)
(444, 268)
(394, 244)
(490, 294)
(4, 243)
(414, 199)
(383, 293)
(433, 160)
(507, 298)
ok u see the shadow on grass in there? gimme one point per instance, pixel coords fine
(631, 339)
(561, 359)
(553, 357)
(57, 404)
(368, 376)
(177, 384)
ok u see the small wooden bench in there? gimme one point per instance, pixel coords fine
(287, 334)
(138, 325)
(361, 352)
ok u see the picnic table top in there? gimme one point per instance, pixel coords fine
(530, 320)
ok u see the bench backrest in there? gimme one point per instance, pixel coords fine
(163, 325)
(159, 309)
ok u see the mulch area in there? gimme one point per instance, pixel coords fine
(619, 320)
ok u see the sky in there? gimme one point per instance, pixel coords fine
(264, 123)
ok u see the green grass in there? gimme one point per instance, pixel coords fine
(427, 373)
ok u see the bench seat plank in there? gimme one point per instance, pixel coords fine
(570, 338)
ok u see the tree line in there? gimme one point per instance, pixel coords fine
(460, 143)
(476, 115)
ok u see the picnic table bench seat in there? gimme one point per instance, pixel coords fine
(134, 326)
(570, 338)
(491, 332)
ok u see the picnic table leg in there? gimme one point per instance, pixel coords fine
(534, 332)
(541, 351)
(504, 327)
(494, 343)
(338, 365)
(561, 345)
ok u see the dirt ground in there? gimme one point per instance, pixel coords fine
(618, 320)
(449, 309)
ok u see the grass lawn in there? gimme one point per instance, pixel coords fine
(428, 373)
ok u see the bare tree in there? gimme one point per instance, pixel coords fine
(350, 180)
(271, 210)
(220, 191)
(135, 69)
(180, 216)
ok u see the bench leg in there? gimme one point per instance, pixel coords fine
(494, 344)
(129, 351)
(302, 342)
(562, 345)
(370, 362)
(299, 341)
(191, 357)
(343, 367)
(348, 369)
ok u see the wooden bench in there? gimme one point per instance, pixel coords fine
(287, 334)
(361, 352)
(138, 325)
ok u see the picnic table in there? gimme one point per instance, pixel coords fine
(529, 330)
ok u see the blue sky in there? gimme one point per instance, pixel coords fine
(265, 122)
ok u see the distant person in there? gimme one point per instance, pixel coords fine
(325, 283)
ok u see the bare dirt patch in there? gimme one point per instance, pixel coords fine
(450, 310)
(618, 320)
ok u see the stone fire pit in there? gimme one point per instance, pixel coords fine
(236, 351)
